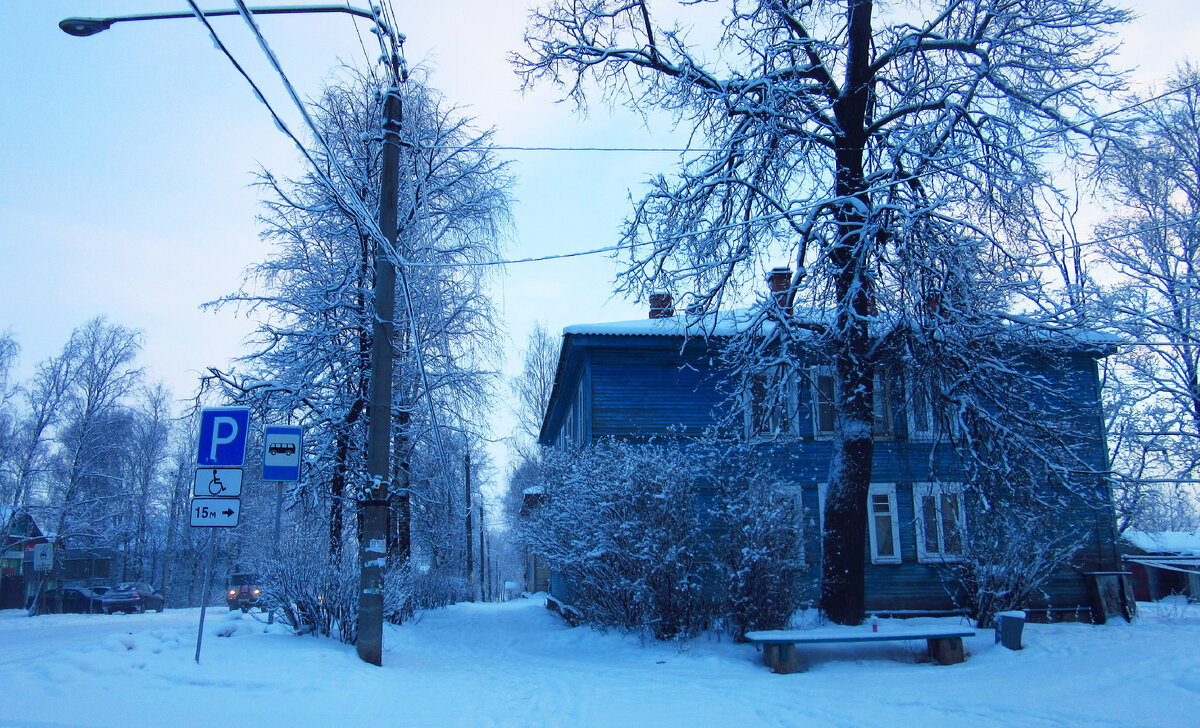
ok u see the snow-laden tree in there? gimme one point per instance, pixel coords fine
(1153, 242)
(533, 386)
(891, 155)
(531, 389)
(671, 537)
(94, 431)
(9, 351)
(310, 358)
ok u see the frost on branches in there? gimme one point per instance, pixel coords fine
(310, 357)
(671, 537)
(892, 155)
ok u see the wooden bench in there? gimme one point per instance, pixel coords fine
(780, 653)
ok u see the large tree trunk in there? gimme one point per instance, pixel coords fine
(842, 583)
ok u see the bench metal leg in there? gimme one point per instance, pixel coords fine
(947, 650)
(783, 659)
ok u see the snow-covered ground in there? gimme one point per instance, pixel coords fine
(516, 664)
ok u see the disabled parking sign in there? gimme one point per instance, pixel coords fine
(222, 441)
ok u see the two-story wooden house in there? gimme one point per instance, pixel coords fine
(666, 376)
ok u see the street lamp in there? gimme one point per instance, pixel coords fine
(83, 27)
(373, 534)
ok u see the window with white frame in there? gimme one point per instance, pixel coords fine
(883, 524)
(922, 425)
(824, 389)
(941, 521)
(823, 394)
(770, 409)
(882, 403)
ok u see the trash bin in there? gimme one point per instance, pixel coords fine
(1008, 629)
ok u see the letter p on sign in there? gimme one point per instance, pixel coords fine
(223, 436)
(230, 426)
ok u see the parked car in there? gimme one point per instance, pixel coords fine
(244, 591)
(131, 596)
(75, 600)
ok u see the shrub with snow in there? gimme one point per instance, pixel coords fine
(669, 537)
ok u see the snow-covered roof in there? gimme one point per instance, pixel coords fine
(534, 490)
(1168, 542)
(735, 321)
(717, 323)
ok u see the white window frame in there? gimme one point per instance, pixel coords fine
(888, 489)
(818, 400)
(914, 394)
(881, 405)
(789, 416)
(882, 425)
(936, 490)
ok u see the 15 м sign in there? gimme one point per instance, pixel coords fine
(215, 512)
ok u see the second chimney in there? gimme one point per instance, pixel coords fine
(779, 280)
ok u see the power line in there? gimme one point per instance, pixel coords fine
(355, 205)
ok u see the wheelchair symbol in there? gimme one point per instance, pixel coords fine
(215, 486)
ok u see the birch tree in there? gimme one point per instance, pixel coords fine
(94, 428)
(891, 155)
(310, 357)
(1153, 242)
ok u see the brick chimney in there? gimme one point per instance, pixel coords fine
(660, 305)
(779, 280)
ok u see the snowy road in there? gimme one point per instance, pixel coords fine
(515, 664)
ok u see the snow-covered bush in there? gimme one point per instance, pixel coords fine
(1008, 556)
(667, 537)
(310, 592)
(762, 561)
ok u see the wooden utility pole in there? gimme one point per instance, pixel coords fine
(373, 533)
(482, 556)
(470, 533)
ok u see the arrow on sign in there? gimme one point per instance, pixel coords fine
(228, 512)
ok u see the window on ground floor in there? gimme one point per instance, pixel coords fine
(883, 524)
(941, 521)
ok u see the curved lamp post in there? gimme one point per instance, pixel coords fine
(83, 27)
(373, 536)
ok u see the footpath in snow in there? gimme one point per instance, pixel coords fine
(517, 664)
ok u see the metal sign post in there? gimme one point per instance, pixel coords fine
(208, 575)
(217, 487)
(283, 448)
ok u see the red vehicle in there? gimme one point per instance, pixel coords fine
(244, 592)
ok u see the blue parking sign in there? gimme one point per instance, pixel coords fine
(223, 436)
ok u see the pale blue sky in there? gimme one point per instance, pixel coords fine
(128, 158)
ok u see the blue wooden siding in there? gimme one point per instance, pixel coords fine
(643, 386)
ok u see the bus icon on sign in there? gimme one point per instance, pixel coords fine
(282, 450)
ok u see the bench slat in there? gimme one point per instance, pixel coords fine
(820, 636)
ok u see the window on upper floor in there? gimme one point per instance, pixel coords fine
(824, 393)
(922, 425)
(770, 409)
(941, 521)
